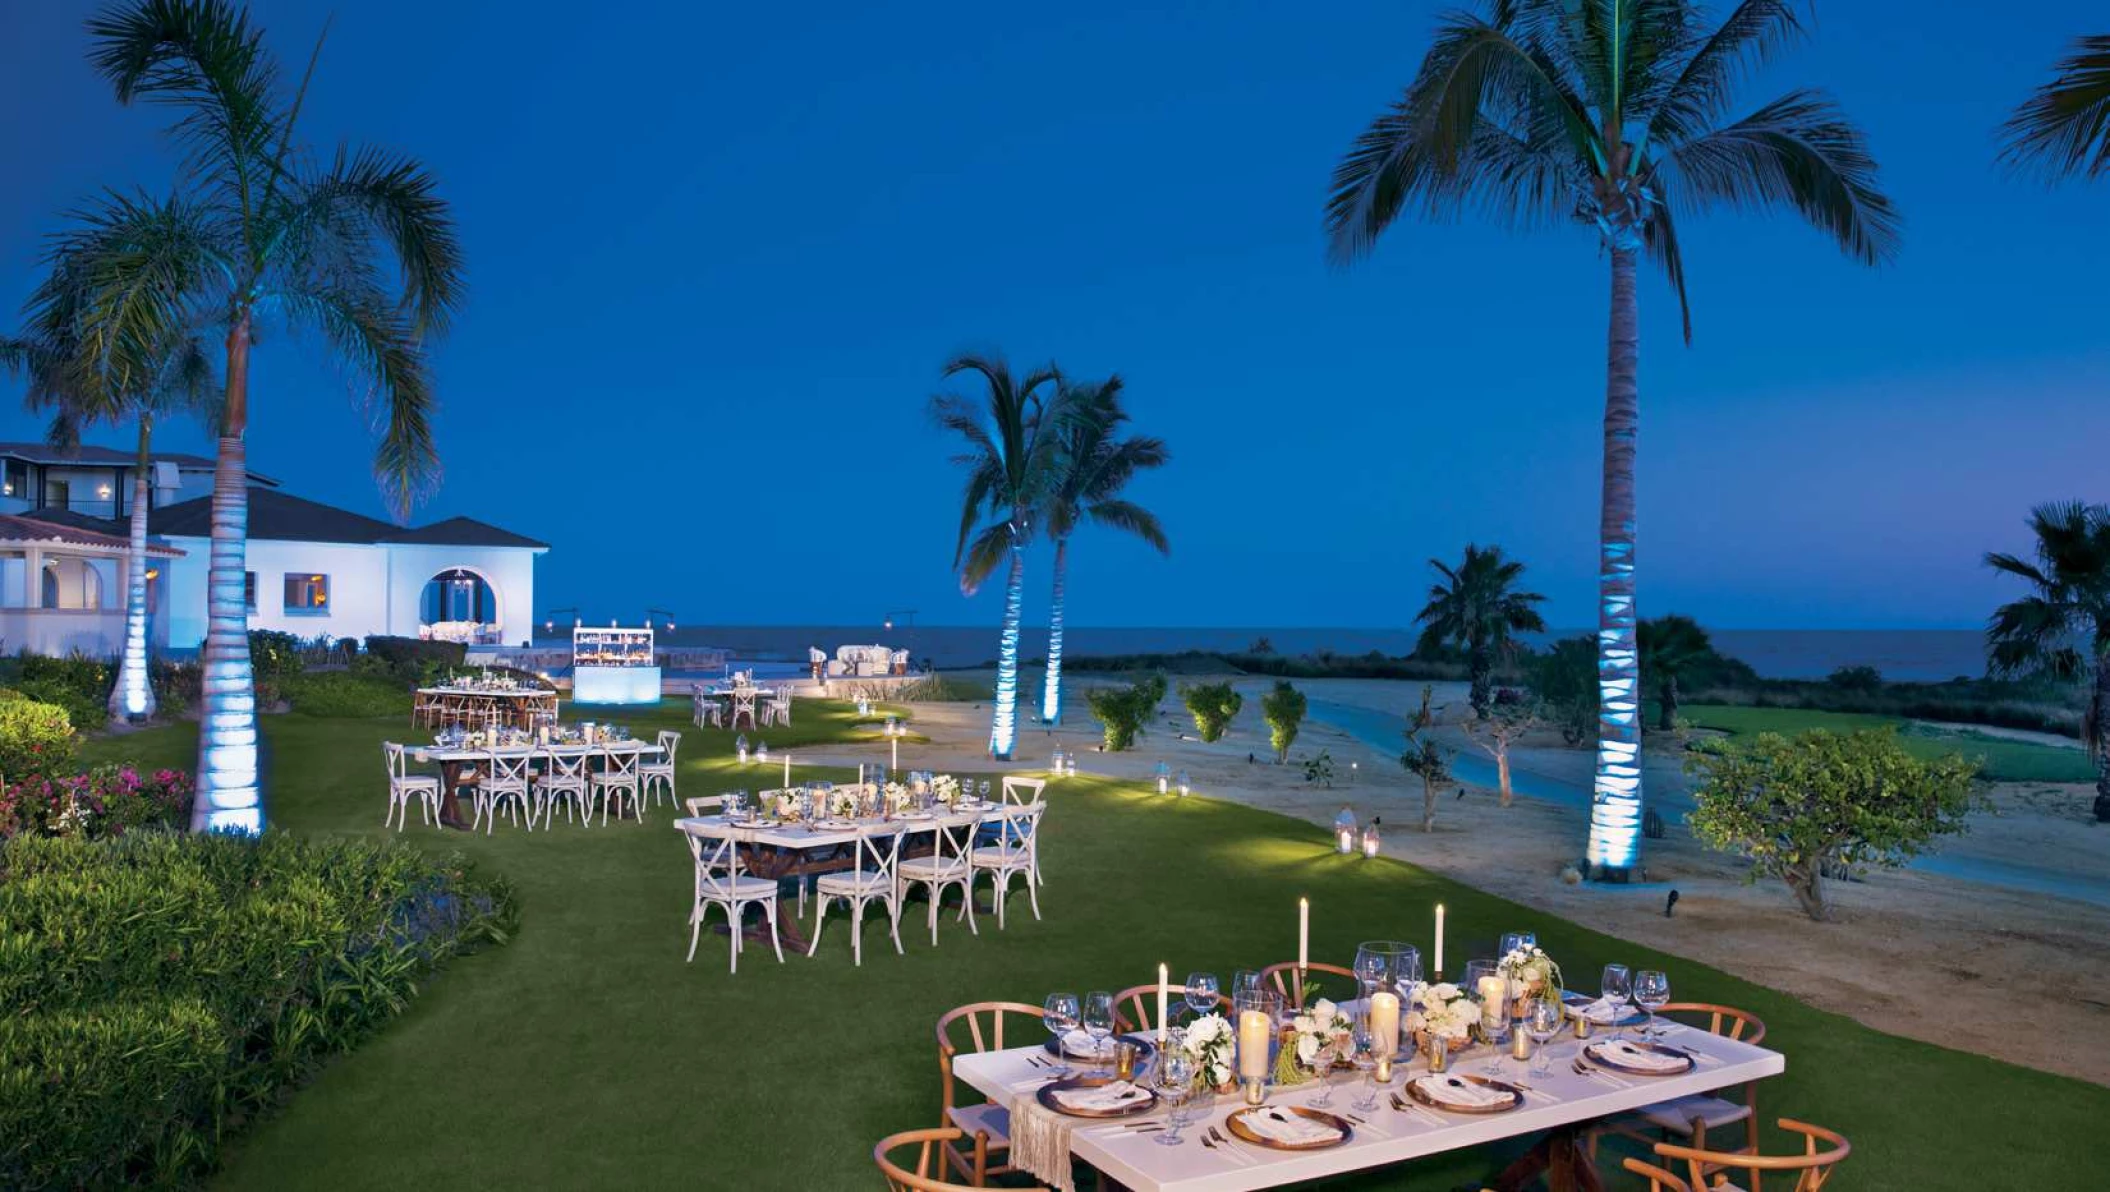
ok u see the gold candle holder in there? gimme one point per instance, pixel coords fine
(1582, 1026)
(1519, 1044)
(1439, 1054)
(1384, 1069)
(1255, 1091)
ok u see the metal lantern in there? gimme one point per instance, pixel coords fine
(1164, 777)
(1057, 769)
(762, 752)
(1183, 784)
(1370, 839)
(1073, 765)
(1344, 834)
(741, 746)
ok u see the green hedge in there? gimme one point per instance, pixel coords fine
(345, 694)
(36, 738)
(413, 659)
(163, 990)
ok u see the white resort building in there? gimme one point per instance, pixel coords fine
(313, 568)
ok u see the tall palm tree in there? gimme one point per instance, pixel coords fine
(1609, 114)
(1478, 606)
(1093, 465)
(2061, 630)
(358, 249)
(1012, 447)
(2064, 126)
(67, 383)
(1669, 645)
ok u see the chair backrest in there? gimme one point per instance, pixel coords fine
(393, 754)
(717, 863)
(1286, 980)
(1016, 790)
(879, 851)
(622, 763)
(566, 763)
(954, 837)
(703, 804)
(1017, 828)
(1811, 1168)
(669, 741)
(1135, 1006)
(987, 1025)
(507, 769)
(930, 1152)
(1726, 1021)
(1659, 1180)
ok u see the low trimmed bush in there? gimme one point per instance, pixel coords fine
(164, 990)
(35, 738)
(411, 659)
(1213, 706)
(346, 694)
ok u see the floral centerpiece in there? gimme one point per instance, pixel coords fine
(1210, 1043)
(1443, 1011)
(897, 798)
(1321, 1037)
(945, 789)
(842, 803)
(1530, 972)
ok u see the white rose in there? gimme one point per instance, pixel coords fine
(1307, 1048)
(1305, 1024)
(1324, 1011)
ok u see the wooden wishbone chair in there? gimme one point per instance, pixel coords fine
(1284, 979)
(986, 1124)
(928, 1143)
(1811, 1168)
(1134, 1006)
(1689, 1119)
(1659, 1180)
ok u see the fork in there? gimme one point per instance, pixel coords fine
(1583, 1069)
(1229, 1149)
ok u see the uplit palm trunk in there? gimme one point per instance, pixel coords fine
(1051, 700)
(133, 697)
(1003, 729)
(1615, 807)
(229, 798)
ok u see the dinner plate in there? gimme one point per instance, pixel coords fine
(1144, 1104)
(1142, 1042)
(1236, 1125)
(1516, 1095)
(1596, 1053)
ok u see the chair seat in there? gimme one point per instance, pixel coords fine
(415, 782)
(1677, 1116)
(615, 780)
(985, 1118)
(932, 868)
(993, 857)
(742, 887)
(657, 768)
(571, 783)
(861, 881)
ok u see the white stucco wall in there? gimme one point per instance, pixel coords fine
(509, 570)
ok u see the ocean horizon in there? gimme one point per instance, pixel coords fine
(1921, 655)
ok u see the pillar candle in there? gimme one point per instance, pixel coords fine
(1384, 1022)
(1164, 976)
(787, 769)
(1255, 1032)
(1439, 939)
(1492, 991)
(896, 746)
(1303, 933)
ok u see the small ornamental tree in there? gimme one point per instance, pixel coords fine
(1123, 711)
(1797, 806)
(1213, 706)
(1283, 709)
(1424, 759)
(1510, 716)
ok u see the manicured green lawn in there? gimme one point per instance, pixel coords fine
(2004, 760)
(587, 1054)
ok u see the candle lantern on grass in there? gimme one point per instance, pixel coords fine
(762, 751)
(1344, 833)
(1371, 843)
(1183, 784)
(1164, 777)
(740, 747)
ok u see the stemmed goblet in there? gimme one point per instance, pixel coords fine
(1060, 1014)
(1616, 988)
(1651, 992)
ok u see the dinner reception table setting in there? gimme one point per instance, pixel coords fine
(460, 753)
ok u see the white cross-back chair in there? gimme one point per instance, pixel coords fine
(563, 778)
(403, 786)
(780, 706)
(610, 784)
(720, 883)
(504, 786)
(1016, 852)
(1021, 792)
(743, 705)
(708, 711)
(874, 877)
(702, 805)
(945, 866)
(659, 771)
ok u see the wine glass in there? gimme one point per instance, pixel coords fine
(1099, 1020)
(1244, 981)
(1060, 1014)
(1651, 992)
(1542, 1021)
(1365, 1061)
(1176, 1089)
(1202, 993)
(1615, 988)
(1372, 966)
(985, 790)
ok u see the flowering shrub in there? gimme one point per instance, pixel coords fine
(106, 801)
(35, 738)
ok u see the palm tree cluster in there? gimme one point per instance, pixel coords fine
(2061, 629)
(1043, 455)
(1478, 607)
(357, 249)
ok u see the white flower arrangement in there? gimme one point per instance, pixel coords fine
(897, 798)
(1529, 970)
(945, 789)
(1323, 1034)
(1446, 1012)
(1209, 1042)
(842, 802)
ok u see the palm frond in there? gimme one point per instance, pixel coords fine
(1799, 151)
(1753, 33)
(380, 348)
(989, 550)
(1131, 518)
(371, 194)
(2063, 128)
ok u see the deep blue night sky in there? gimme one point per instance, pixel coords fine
(714, 245)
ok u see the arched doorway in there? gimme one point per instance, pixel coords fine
(459, 604)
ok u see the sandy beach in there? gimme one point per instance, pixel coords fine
(1998, 969)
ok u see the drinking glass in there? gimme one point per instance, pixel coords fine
(1542, 1021)
(1099, 1020)
(985, 790)
(1175, 1087)
(1373, 968)
(1651, 991)
(1615, 988)
(1365, 1061)
(1494, 1028)
(1060, 1014)
(1202, 993)
(1244, 981)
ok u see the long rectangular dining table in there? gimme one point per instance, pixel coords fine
(1557, 1104)
(454, 759)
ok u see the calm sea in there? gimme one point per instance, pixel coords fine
(1918, 654)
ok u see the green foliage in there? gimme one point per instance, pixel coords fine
(347, 694)
(1283, 708)
(36, 738)
(2000, 758)
(273, 655)
(944, 689)
(1424, 759)
(1865, 679)
(1478, 606)
(413, 660)
(1565, 678)
(1123, 711)
(1320, 769)
(164, 989)
(108, 800)
(1825, 801)
(178, 686)
(1213, 706)
(76, 682)
(1670, 647)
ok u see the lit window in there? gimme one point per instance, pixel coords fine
(307, 593)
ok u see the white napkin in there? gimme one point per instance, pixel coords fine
(1102, 1098)
(1280, 1125)
(1601, 1012)
(1453, 1091)
(1078, 1043)
(1626, 1055)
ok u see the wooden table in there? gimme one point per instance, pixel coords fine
(520, 707)
(1561, 1104)
(455, 762)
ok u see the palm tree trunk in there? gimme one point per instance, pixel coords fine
(1003, 729)
(1615, 804)
(2099, 707)
(1502, 773)
(229, 796)
(1668, 715)
(1051, 699)
(133, 697)
(1480, 664)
